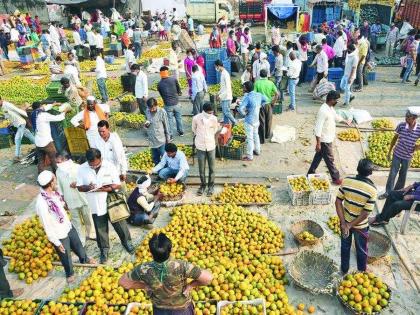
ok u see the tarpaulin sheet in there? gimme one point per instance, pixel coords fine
(282, 12)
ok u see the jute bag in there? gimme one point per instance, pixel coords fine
(117, 207)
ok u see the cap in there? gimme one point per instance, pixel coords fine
(90, 98)
(45, 177)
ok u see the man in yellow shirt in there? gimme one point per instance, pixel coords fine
(363, 47)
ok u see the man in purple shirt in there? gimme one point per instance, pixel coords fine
(397, 201)
(328, 50)
(406, 135)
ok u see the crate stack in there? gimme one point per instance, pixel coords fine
(53, 92)
(210, 56)
(335, 75)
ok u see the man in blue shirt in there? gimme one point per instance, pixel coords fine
(173, 166)
(250, 108)
(375, 30)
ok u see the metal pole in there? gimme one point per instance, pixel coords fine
(113, 5)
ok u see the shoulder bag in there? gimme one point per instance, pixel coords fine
(117, 206)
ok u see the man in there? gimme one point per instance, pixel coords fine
(97, 177)
(4, 43)
(174, 166)
(190, 23)
(268, 89)
(319, 36)
(17, 118)
(260, 64)
(141, 87)
(250, 107)
(365, 29)
(72, 93)
(101, 77)
(325, 135)
(176, 33)
(340, 48)
(51, 210)
(245, 40)
(157, 127)
(406, 135)
(174, 60)
(130, 59)
(89, 117)
(55, 39)
(397, 201)
(204, 128)
(137, 42)
(56, 69)
(363, 48)
(293, 72)
(112, 149)
(5, 291)
(169, 290)
(375, 30)
(328, 51)
(230, 44)
(321, 62)
(199, 89)
(355, 200)
(41, 120)
(92, 43)
(278, 70)
(70, 71)
(66, 177)
(144, 206)
(225, 93)
(322, 89)
(169, 90)
(350, 69)
(390, 40)
(99, 43)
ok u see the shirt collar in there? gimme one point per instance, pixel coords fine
(408, 127)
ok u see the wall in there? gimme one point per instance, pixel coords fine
(35, 7)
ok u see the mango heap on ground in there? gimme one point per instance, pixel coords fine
(142, 161)
(245, 309)
(243, 193)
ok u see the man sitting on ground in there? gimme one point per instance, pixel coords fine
(173, 166)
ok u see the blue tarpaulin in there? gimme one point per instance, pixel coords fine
(282, 12)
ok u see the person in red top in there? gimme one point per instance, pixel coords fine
(328, 50)
(125, 40)
(230, 44)
(215, 40)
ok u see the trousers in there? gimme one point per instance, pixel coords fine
(83, 223)
(325, 153)
(46, 152)
(189, 310)
(400, 167)
(394, 204)
(157, 154)
(252, 140)
(361, 242)
(141, 103)
(102, 89)
(227, 113)
(167, 172)
(210, 157)
(174, 111)
(71, 243)
(198, 103)
(102, 231)
(22, 131)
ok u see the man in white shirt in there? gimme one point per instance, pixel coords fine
(55, 39)
(43, 140)
(130, 59)
(66, 183)
(350, 69)
(17, 118)
(260, 64)
(112, 149)
(204, 128)
(99, 43)
(97, 177)
(70, 72)
(101, 77)
(244, 41)
(225, 94)
(321, 62)
(339, 49)
(174, 60)
(199, 89)
(141, 87)
(90, 116)
(76, 39)
(293, 72)
(173, 166)
(92, 43)
(51, 210)
(319, 36)
(325, 135)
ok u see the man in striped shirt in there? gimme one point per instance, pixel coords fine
(355, 200)
(406, 135)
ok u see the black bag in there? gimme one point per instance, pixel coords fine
(235, 63)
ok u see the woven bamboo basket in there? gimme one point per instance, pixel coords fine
(378, 246)
(177, 197)
(314, 272)
(310, 226)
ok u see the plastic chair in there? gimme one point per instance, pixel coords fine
(407, 216)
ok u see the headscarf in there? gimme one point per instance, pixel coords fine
(52, 206)
(86, 116)
(144, 185)
(164, 74)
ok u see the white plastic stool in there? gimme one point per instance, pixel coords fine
(407, 216)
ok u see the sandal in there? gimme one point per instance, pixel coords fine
(246, 159)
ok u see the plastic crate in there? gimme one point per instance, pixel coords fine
(4, 131)
(298, 198)
(277, 109)
(79, 306)
(371, 76)
(233, 153)
(76, 140)
(320, 197)
(115, 46)
(5, 141)
(335, 74)
(223, 53)
(255, 302)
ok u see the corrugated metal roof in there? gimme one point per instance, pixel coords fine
(66, 2)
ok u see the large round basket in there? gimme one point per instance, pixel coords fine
(177, 197)
(310, 226)
(378, 246)
(352, 309)
(314, 272)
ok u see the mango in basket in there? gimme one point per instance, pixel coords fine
(12, 306)
(364, 292)
(320, 184)
(239, 129)
(307, 236)
(349, 135)
(59, 308)
(171, 190)
(141, 309)
(299, 184)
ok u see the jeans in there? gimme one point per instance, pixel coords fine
(102, 89)
(252, 139)
(141, 103)
(137, 50)
(167, 172)
(157, 154)
(22, 131)
(227, 114)
(409, 68)
(346, 87)
(359, 76)
(142, 218)
(71, 243)
(278, 84)
(394, 204)
(174, 111)
(292, 92)
(373, 41)
(325, 153)
(210, 156)
(198, 103)
(399, 166)
(102, 231)
(83, 223)
(361, 241)
(188, 310)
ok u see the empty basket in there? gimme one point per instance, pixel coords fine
(378, 245)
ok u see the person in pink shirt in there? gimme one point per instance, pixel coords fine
(328, 50)
(199, 60)
(189, 62)
(230, 44)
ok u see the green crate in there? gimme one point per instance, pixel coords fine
(233, 153)
(277, 109)
(5, 141)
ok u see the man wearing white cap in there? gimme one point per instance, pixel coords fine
(51, 210)
(97, 177)
(258, 65)
(90, 116)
